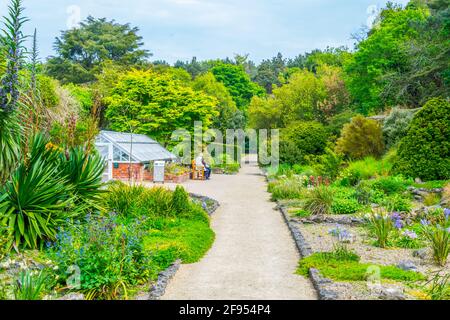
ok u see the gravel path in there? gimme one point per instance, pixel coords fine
(253, 257)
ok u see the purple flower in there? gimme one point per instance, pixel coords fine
(398, 224)
(410, 234)
(396, 216)
(447, 213)
(424, 222)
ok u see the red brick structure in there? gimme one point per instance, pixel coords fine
(139, 173)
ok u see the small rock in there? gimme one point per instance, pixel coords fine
(73, 296)
(407, 266)
(421, 253)
(418, 180)
(392, 294)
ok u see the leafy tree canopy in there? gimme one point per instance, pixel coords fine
(238, 83)
(81, 51)
(155, 104)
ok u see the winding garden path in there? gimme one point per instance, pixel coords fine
(253, 257)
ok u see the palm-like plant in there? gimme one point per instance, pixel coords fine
(84, 173)
(36, 198)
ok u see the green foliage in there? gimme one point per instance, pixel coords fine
(230, 117)
(425, 151)
(336, 123)
(81, 51)
(156, 105)
(238, 83)
(287, 188)
(431, 199)
(83, 95)
(345, 206)
(329, 164)
(300, 139)
(361, 138)
(318, 200)
(439, 239)
(396, 125)
(109, 254)
(84, 174)
(9, 147)
(365, 169)
(381, 225)
(390, 184)
(180, 200)
(30, 286)
(438, 288)
(188, 239)
(397, 202)
(348, 268)
(46, 87)
(381, 53)
(36, 198)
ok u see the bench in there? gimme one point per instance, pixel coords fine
(198, 173)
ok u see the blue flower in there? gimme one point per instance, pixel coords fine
(424, 222)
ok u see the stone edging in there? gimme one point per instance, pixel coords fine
(320, 283)
(158, 289)
(204, 199)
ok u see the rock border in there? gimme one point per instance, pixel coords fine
(158, 289)
(319, 282)
(205, 199)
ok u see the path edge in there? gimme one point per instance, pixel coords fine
(319, 282)
(158, 289)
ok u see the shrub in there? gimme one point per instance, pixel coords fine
(396, 125)
(361, 138)
(345, 206)
(109, 254)
(397, 202)
(337, 122)
(287, 188)
(181, 202)
(329, 164)
(367, 168)
(319, 200)
(300, 139)
(390, 184)
(348, 268)
(425, 151)
(439, 238)
(381, 225)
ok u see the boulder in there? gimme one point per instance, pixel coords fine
(407, 266)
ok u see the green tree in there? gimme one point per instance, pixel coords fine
(230, 117)
(380, 54)
(156, 104)
(238, 83)
(81, 51)
(425, 150)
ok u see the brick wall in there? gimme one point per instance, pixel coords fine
(123, 171)
(138, 173)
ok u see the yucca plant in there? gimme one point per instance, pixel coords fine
(36, 198)
(84, 173)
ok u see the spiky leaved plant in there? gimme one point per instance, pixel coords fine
(12, 55)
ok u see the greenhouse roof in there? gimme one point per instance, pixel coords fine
(139, 146)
